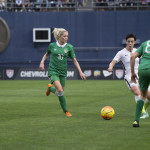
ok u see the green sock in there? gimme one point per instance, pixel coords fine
(146, 104)
(136, 99)
(139, 106)
(63, 104)
(52, 89)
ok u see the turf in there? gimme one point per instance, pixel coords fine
(31, 121)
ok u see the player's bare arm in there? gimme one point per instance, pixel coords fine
(111, 65)
(41, 67)
(82, 75)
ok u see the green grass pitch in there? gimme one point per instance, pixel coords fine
(31, 121)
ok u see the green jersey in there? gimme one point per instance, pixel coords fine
(58, 58)
(144, 51)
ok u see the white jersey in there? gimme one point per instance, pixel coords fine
(124, 56)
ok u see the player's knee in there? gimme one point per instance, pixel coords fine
(60, 89)
(135, 90)
(60, 93)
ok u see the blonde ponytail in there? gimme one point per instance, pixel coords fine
(58, 32)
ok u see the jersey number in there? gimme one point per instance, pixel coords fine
(148, 46)
(60, 56)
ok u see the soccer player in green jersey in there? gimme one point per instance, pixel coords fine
(144, 78)
(124, 56)
(59, 52)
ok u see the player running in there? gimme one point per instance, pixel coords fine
(124, 56)
(144, 78)
(59, 53)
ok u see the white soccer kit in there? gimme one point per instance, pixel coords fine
(124, 56)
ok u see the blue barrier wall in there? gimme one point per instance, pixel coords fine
(86, 29)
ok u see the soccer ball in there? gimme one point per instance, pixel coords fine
(107, 112)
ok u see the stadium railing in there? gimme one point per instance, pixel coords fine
(121, 5)
(93, 5)
(39, 6)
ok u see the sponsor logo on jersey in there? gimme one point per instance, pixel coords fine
(88, 73)
(10, 73)
(65, 50)
(106, 73)
(97, 73)
(119, 73)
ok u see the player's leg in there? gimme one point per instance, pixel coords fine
(144, 83)
(139, 106)
(59, 85)
(147, 101)
(134, 87)
(51, 88)
(58, 90)
(144, 113)
(62, 99)
(146, 105)
(60, 94)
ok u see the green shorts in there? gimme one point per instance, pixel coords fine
(62, 79)
(144, 79)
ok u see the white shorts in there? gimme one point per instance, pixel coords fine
(130, 84)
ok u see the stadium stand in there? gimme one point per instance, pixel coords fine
(96, 40)
(73, 5)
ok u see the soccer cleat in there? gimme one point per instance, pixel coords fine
(48, 91)
(144, 115)
(68, 114)
(135, 124)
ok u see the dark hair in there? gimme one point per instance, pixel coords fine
(131, 36)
